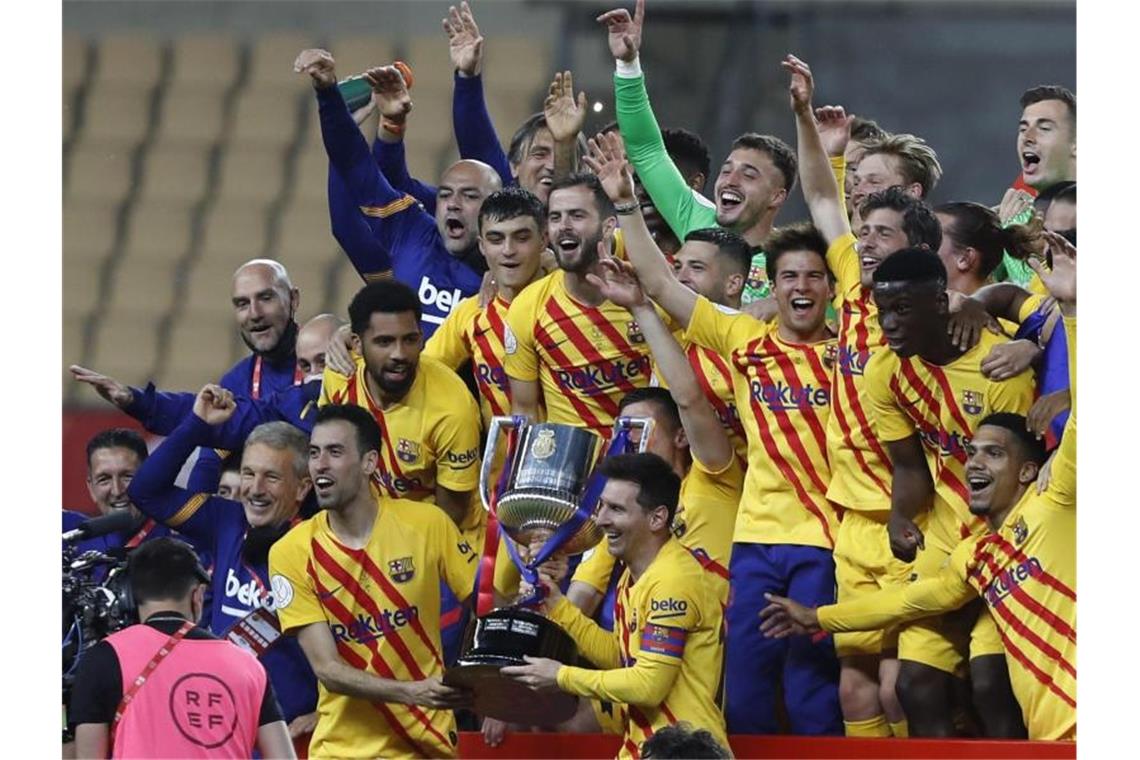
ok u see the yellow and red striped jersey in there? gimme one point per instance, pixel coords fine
(784, 393)
(471, 333)
(664, 660)
(381, 604)
(943, 405)
(706, 516)
(429, 437)
(860, 466)
(584, 358)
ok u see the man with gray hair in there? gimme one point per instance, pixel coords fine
(274, 482)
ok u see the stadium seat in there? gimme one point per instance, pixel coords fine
(310, 177)
(206, 62)
(74, 345)
(312, 277)
(143, 288)
(234, 233)
(98, 171)
(125, 347)
(266, 118)
(175, 173)
(132, 59)
(304, 233)
(198, 351)
(157, 232)
(517, 63)
(116, 115)
(190, 115)
(427, 55)
(355, 55)
(251, 175)
(346, 283)
(271, 61)
(80, 288)
(509, 108)
(88, 230)
(208, 289)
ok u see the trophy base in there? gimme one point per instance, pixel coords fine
(504, 637)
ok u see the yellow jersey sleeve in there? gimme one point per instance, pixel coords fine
(646, 682)
(596, 570)
(892, 606)
(674, 609)
(293, 592)
(888, 421)
(457, 558)
(839, 171)
(1028, 306)
(595, 643)
(723, 329)
(455, 439)
(448, 343)
(333, 384)
(520, 359)
(843, 261)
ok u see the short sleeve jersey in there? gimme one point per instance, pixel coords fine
(860, 466)
(783, 391)
(382, 605)
(471, 333)
(671, 613)
(943, 405)
(428, 438)
(584, 358)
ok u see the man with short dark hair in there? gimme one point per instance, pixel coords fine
(664, 657)
(682, 741)
(358, 584)
(208, 698)
(1047, 136)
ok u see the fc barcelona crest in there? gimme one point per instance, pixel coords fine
(407, 451)
(543, 446)
(830, 354)
(401, 570)
(1020, 531)
(973, 401)
(633, 332)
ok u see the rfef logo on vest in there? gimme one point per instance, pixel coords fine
(203, 709)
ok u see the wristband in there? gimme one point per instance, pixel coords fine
(393, 127)
(626, 208)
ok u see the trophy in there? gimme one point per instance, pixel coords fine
(548, 489)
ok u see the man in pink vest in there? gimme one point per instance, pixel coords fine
(167, 688)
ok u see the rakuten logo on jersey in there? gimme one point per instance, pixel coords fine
(365, 628)
(784, 397)
(248, 594)
(435, 298)
(597, 377)
(489, 375)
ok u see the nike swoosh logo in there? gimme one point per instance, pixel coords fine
(328, 594)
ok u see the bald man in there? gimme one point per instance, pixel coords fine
(265, 306)
(437, 257)
(312, 344)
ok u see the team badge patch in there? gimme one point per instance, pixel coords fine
(830, 354)
(407, 451)
(510, 343)
(633, 332)
(1020, 531)
(282, 591)
(401, 570)
(973, 401)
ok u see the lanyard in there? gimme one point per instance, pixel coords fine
(166, 648)
(139, 537)
(255, 387)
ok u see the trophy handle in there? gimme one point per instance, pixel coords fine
(509, 422)
(627, 424)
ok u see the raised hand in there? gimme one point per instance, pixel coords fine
(319, 65)
(606, 158)
(624, 33)
(1061, 279)
(802, 86)
(214, 404)
(464, 42)
(618, 280)
(390, 90)
(565, 117)
(108, 387)
(834, 129)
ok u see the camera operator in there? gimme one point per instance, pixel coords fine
(208, 698)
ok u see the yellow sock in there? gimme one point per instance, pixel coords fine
(899, 730)
(871, 727)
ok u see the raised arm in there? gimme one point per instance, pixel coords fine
(653, 271)
(391, 92)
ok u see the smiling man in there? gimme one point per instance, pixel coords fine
(274, 482)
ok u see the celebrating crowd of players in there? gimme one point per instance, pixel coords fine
(856, 513)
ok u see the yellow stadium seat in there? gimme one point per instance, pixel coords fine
(265, 118)
(207, 62)
(357, 54)
(234, 233)
(144, 288)
(157, 232)
(98, 171)
(129, 58)
(88, 230)
(252, 175)
(125, 347)
(191, 115)
(75, 50)
(80, 289)
(115, 115)
(175, 173)
(271, 61)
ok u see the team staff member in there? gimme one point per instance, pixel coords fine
(785, 527)
(567, 347)
(512, 237)
(926, 396)
(208, 698)
(358, 584)
(274, 483)
(439, 257)
(860, 466)
(1023, 566)
(753, 182)
(663, 660)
